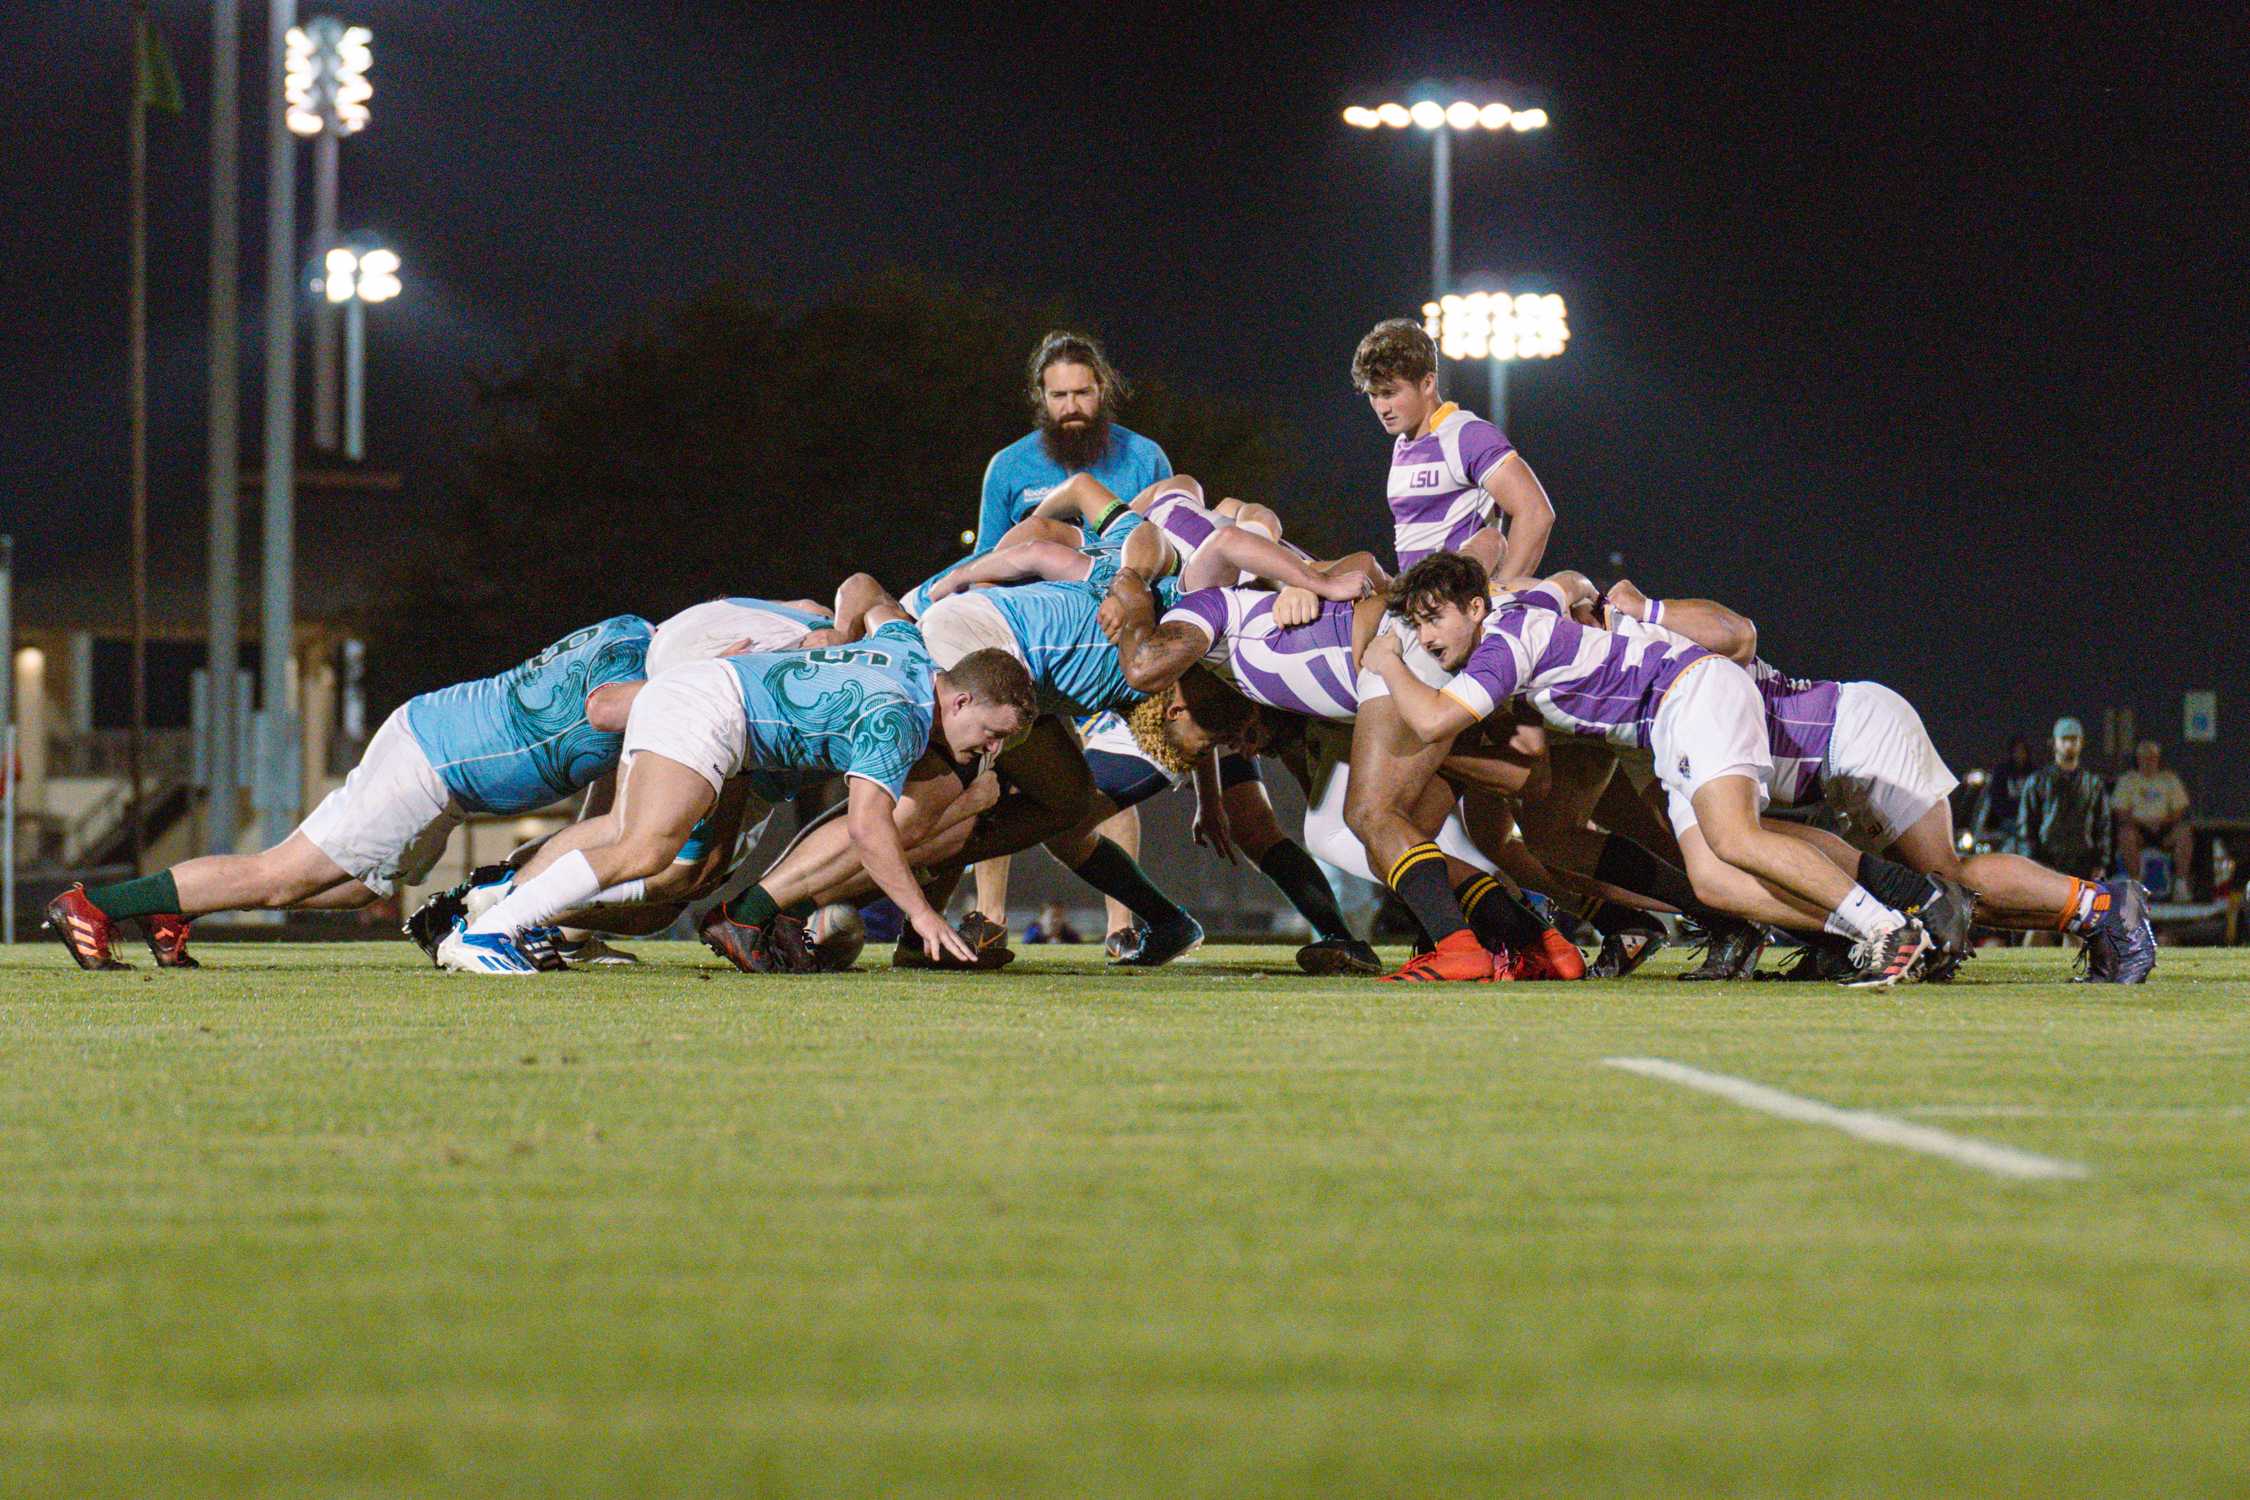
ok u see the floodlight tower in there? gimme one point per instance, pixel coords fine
(1499, 329)
(328, 93)
(351, 279)
(1439, 122)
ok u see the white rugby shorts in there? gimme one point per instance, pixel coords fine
(961, 623)
(702, 631)
(1712, 723)
(388, 823)
(692, 715)
(1882, 773)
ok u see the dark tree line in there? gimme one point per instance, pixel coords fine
(730, 446)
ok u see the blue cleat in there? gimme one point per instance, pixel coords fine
(466, 952)
(2122, 947)
(1159, 945)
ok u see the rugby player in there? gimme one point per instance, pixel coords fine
(1456, 483)
(1863, 749)
(507, 744)
(1050, 788)
(1698, 712)
(867, 711)
(1313, 671)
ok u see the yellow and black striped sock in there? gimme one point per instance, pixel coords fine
(1419, 877)
(1495, 915)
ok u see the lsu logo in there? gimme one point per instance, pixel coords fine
(1684, 772)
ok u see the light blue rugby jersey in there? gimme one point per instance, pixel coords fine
(862, 710)
(1023, 474)
(518, 741)
(1074, 668)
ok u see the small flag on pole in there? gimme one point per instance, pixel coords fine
(160, 85)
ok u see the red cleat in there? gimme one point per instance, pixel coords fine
(167, 938)
(1555, 957)
(779, 947)
(1458, 958)
(85, 929)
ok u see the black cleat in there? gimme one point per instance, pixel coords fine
(987, 939)
(1732, 953)
(1818, 960)
(1339, 955)
(1160, 945)
(1623, 952)
(1950, 917)
(1880, 962)
(2122, 947)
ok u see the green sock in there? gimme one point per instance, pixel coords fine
(149, 896)
(753, 908)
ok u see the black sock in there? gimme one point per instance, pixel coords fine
(1496, 915)
(1613, 917)
(1420, 880)
(1630, 867)
(1120, 877)
(1896, 886)
(150, 896)
(1288, 866)
(753, 908)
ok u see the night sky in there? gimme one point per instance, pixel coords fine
(1921, 343)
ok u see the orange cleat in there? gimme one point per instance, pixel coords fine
(85, 929)
(1457, 958)
(167, 936)
(1555, 957)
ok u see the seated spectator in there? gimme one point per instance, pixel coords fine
(1995, 823)
(2063, 819)
(1051, 926)
(2152, 807)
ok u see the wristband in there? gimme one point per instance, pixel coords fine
(1655, 615)
(1109, 515)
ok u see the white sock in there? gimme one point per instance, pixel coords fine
(569, 881)
(1862, 917)
(625, 893)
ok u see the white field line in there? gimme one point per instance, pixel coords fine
(2087, 1112)
(1883, 1130)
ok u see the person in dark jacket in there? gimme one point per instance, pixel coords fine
(2063, 819)
(1995, 820)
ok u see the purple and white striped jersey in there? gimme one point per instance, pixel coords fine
(1582, 679)
(1307, 670)
(1184, 522)
(1800, 723)
(1438, 499)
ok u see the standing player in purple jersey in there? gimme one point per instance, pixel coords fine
(1698, 712)
(1863, 749)
(1457, 484)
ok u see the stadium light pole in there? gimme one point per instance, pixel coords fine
(279, 792)
(1440, 122)
(328, 93)
(1499, 328)
(351, 279)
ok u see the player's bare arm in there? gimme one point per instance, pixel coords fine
(875, 834)
(1706, 622)
(1432, 715)
(1531, 516)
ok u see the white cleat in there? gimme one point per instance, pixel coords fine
(466, 952)
(479, 899)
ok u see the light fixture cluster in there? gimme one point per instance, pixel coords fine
(325, 77)
(1496, 325)
(1461, 114)
(367, 275)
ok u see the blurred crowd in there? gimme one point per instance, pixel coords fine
(2066, 814)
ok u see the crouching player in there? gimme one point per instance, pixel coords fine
(1698, 712)
(867, 711)
(507, 744)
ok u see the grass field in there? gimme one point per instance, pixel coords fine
(318, 1221)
